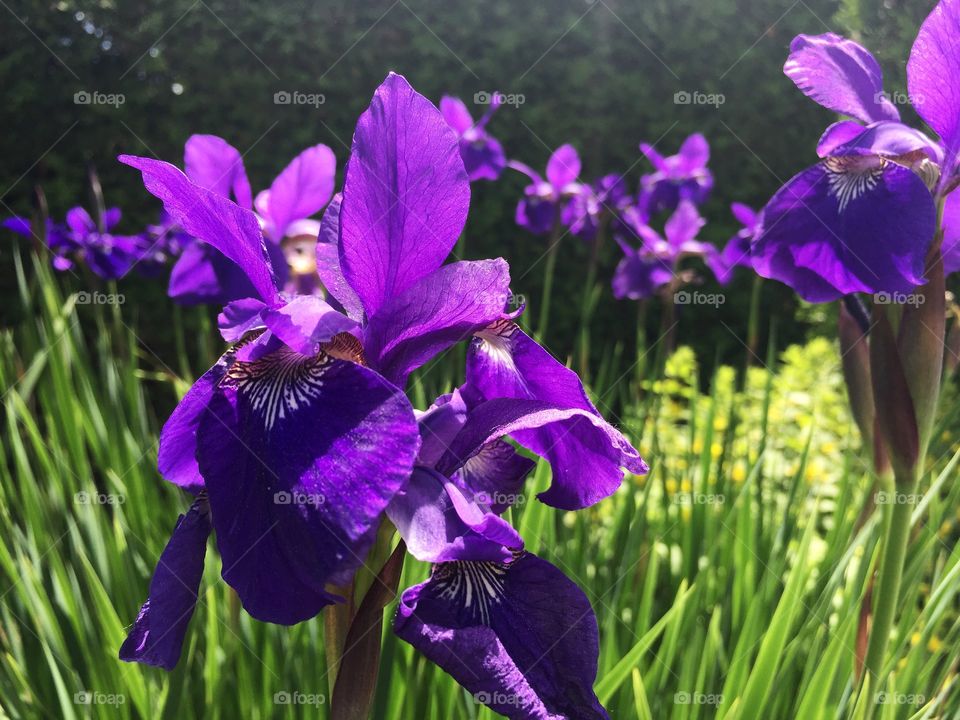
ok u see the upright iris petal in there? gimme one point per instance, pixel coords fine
(400, 220)
(933, 78)
(841, 75)
(482, 154)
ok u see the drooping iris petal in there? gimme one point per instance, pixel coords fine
(405, 197)
(520, 636)
(841, 75)
(301, 189)
(213, 163)
(847, 225)
(483, 157)
(300, 457)
(638, 276)
(456, 114)
(439, 425)
(203, 274)
(177, 456)
(736, 252)
(495, 475)
(19, 225)
(563, 167)
(933, 77)
(536, 214)
(440, 310)
(305, 322)
(584, 451)
(157, 635)
(439, 524)
(240, 317)
(231, 229)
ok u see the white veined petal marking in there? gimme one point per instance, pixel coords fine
(496, 342)
(849, 177)
(473, 585)
(278, 385)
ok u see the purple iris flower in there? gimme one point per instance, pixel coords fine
(482, 153)
(684, 176)
(539, 210)
(507, 625)
(644, 270)
(736, 253)
(586, 210)
(303, 188)
(108, 255)
(862, 219)
(300, 439)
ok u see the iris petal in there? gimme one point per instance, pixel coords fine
(157, 635)
(847, 225)
(519, 636)
(300, 457)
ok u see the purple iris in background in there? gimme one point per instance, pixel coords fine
(482, 154)
(736, 253)
(587, 209)
(646, 269)
(300, 439)
(203, 274)
(544, 199)
(684, 176)
(862, 219)
(80, 239)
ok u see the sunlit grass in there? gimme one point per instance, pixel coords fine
(727, 583)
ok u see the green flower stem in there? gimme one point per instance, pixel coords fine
(548, 273)
(887, 590)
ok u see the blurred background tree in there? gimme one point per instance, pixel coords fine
(601, 75)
